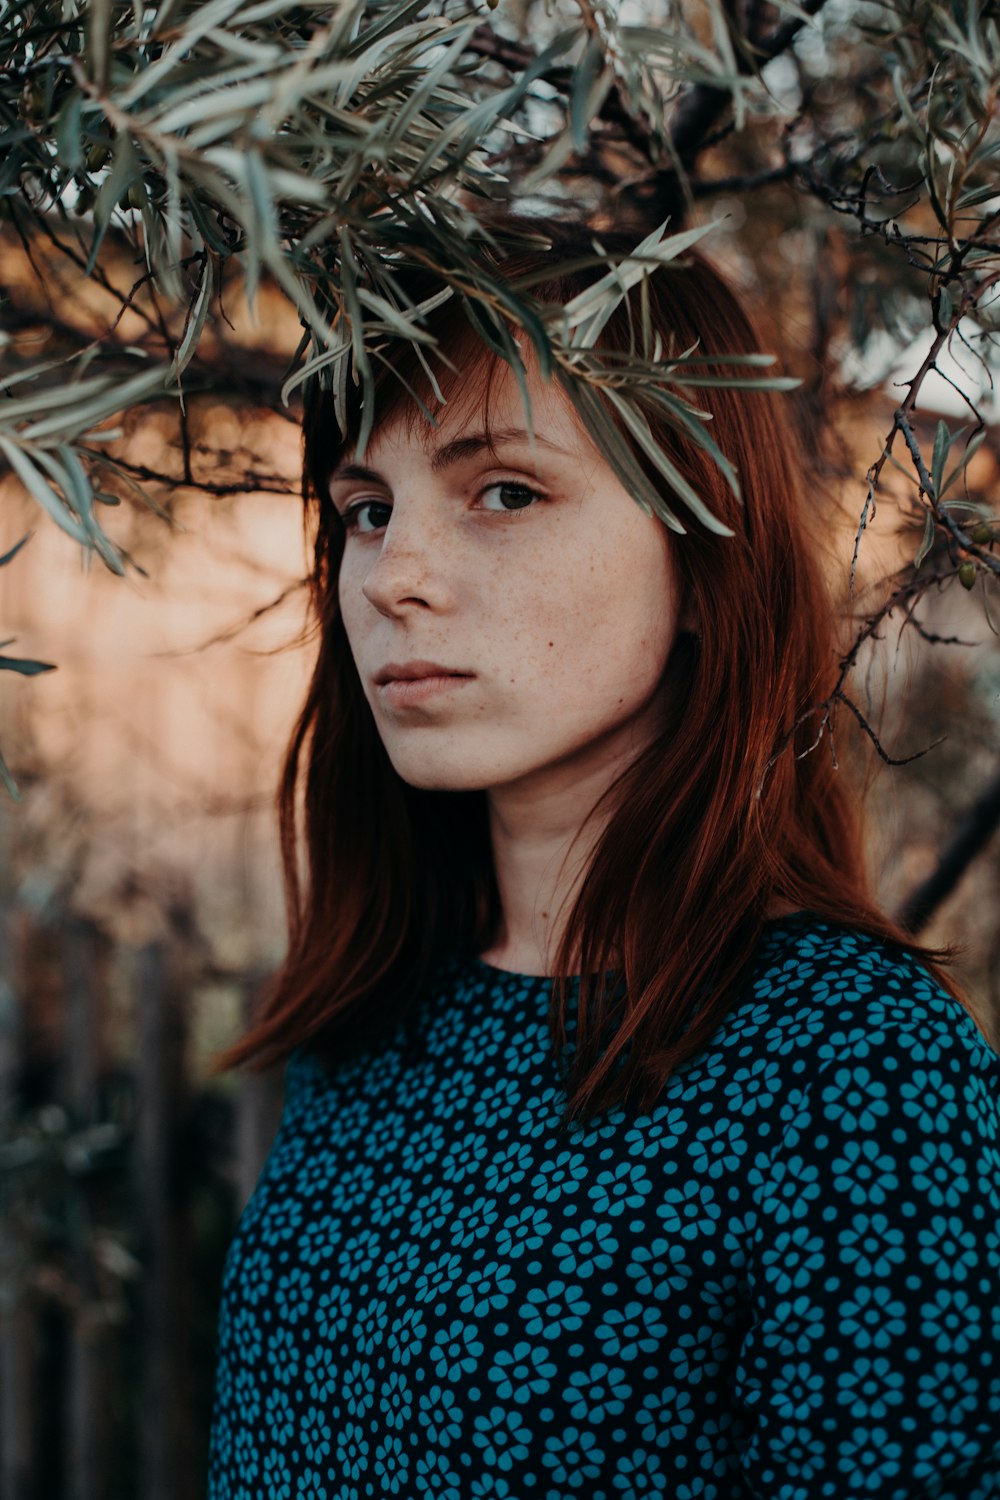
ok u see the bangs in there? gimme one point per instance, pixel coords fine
(477, 343)
(417, 388)
(454, 379)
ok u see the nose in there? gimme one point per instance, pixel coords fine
(408, 569)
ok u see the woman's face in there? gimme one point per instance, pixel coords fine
(532, 573)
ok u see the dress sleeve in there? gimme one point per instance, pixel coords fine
(871, 1366)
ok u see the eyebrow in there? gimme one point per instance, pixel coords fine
(455, 452)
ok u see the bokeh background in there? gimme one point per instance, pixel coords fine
(141, 903)
(140, 891)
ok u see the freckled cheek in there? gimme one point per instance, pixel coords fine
(521, 622)
(620, 644)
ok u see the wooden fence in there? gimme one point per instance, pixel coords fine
(122, 1175)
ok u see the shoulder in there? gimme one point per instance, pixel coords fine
(836, 993)
(829, 1017)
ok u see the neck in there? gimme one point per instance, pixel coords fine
(542, 842)
(539, 867)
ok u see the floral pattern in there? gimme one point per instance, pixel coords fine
(782, 1282)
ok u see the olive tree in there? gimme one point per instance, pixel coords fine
(323, 147)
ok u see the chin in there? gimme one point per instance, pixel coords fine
(432, 773)
(438, 773)
(438, 781)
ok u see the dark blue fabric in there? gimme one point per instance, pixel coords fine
(782, 1282)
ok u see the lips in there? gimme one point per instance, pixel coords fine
(411, 671)
(423, 692)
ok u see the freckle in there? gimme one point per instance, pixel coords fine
(551, 643)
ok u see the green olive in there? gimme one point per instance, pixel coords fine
(967, 575)
(97, 157)
(983, 534)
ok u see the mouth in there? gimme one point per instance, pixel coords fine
(399, 692)
(408, 671)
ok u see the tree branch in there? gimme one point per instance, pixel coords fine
(701, 106)
(969, 840)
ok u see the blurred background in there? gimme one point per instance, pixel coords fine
(140, 892)
(141, 903)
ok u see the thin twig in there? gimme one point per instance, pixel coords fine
(969, 839)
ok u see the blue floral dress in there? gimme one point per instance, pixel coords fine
(783, 1282)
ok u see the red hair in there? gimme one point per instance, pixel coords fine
(722, 816)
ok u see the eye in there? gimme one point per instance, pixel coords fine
(353, 513)
(513, 496)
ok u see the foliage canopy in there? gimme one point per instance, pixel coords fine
(326, 145)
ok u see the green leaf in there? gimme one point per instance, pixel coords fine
(588, 312)
(51, 399)
(682, 488)
(971, 449)
(109, 396)
(591, 81)
(197, 25)
(39, 487)
(99, 42)
(69, 133)
(906, 108)
(32, 373)
(124, 168)
(738, 383)
(607, 437)
(972, 197)
(197, 315)
(23, 665)
(942, 444)
(312, 367)
(393, 22)
(16, 548)
(980, 508)
(696, 430)
(76, 481)
(927, 540)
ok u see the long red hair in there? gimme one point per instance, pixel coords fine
(728, 812)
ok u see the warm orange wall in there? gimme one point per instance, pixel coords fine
(169, 752)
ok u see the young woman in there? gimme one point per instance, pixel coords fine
(628, 1149)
